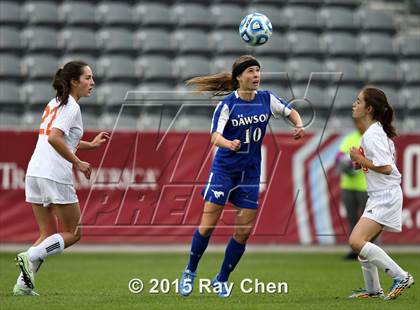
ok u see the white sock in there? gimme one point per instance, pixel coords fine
(54, 244)
(370, 276)
(35, 265)
(379, 258)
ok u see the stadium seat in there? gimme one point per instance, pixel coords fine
(10, 39)
(228, 42)
(10, 12)
(111, 67)
(78, 13)
(192, 66)
(377, 44)
(411, 123)
(410, 71)
(315, 94)
(409, 45)
(153, 14)
(314, 104)
(340, 44)
(222, 64)
(227, 15)
(345, 97)
(112, 95)
(41, 38)
(78, 39)
(191, 15)
(300, 69)
(304, 43)
(123, 121)
(283, 89)
(153, 97)
(151, 68)
(278, 45)
(272, 69)
(90, 120)
(37, 94)
(11, 120)
(10, 66)
(301, 17)
(348, 67)
(410, 98)
(40, 66)
(380, 71)
(153, 41)
(275, 14)
(41, 13)
(337, 18)
(9, 94)
(115, 14)
(188, 41)
(116, 40)
(369, 19)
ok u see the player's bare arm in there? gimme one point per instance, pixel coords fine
(299, 131)
(362, 161)
(56, 139)
(218, 140)
(96, 142)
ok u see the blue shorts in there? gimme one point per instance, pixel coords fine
(240, 191)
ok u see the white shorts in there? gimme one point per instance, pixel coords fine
(385, 208)
(45, 191)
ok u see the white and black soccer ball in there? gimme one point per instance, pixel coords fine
(255, 29)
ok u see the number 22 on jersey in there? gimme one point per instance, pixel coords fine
(47, 119)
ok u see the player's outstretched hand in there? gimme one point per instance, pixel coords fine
(101, 138)
(84, 167)
(235, 145)
(298, 133)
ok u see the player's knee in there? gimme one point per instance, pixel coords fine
(241, 235)
(206, 231)
(355, 243)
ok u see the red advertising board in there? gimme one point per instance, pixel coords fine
(146, 187)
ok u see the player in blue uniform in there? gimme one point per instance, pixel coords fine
(238, 128)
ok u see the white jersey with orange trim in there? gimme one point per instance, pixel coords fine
(45, 161)
(377, 147)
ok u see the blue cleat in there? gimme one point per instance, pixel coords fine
(398, 286)
(186, 283)
(220, 287)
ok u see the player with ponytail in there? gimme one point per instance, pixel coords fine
(383, 210)
(238, 128)
(49, 184)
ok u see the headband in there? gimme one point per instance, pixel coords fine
(242, 66)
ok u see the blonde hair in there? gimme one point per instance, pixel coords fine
(219, 84)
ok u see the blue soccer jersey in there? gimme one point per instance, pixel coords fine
(246, 121)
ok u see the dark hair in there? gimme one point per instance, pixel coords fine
(63, 77)
(221, 83)
(382, 110)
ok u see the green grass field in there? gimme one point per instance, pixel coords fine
(100, 281)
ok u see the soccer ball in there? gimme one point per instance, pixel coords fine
(255, 29)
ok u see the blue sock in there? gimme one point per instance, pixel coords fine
(198, 246)
(233, 254)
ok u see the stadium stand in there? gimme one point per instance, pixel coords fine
(159, 44)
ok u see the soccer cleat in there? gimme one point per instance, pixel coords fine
(398, 286)
(186, 283)
(23, 291)
(363, 293)
(25, 265)
(220, 287)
